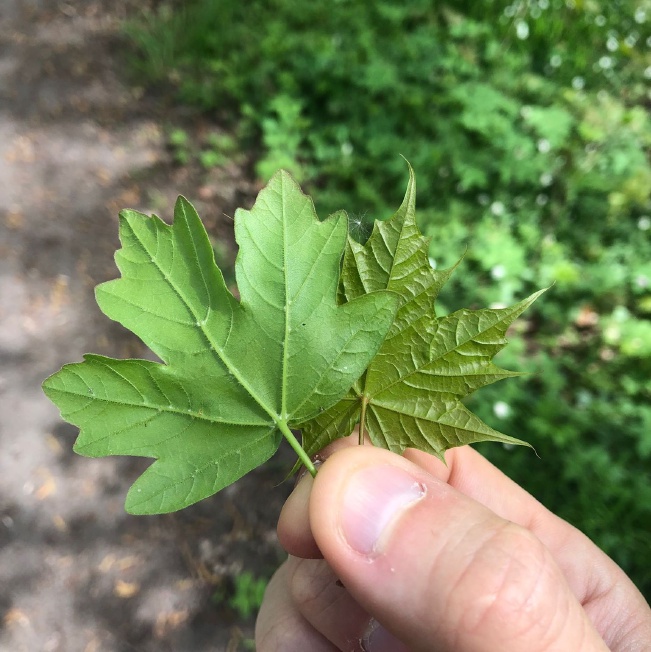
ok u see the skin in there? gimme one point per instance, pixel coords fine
(464, 560)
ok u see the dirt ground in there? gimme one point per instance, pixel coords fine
(77, 574)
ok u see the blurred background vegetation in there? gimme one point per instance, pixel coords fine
(528, 126)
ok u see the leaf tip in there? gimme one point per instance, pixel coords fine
(412, 174)
(139, 501)
(185, 212)
(46, 385)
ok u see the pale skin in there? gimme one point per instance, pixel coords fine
(395, 553)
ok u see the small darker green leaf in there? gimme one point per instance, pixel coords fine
(410, 395)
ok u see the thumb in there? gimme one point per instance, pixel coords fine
(438, 570)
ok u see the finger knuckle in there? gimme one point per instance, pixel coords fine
(310, 583)
(515, 584)
(281, 635)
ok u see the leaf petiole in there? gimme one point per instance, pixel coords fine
(298, 449)
(362, 420)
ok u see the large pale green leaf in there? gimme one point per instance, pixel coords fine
(234, 374)
(410, 396)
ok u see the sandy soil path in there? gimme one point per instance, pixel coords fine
(76, 573)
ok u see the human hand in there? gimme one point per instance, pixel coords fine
(445, 558)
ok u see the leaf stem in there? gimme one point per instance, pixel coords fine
(362, 420)
(298, 449)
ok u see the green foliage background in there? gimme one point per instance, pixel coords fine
(527, 124)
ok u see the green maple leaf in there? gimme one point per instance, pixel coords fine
(235, 376)
(410, 395)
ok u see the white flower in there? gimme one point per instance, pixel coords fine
(544, 146)
(578, 83)
(501, 409)
(522, 30)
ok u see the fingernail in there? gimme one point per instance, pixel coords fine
(373, 499)
(378, 639)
